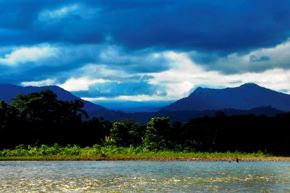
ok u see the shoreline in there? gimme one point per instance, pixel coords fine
(149, 158)
(113, 153)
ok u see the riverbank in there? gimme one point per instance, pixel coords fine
(143, 158)
(58, 153)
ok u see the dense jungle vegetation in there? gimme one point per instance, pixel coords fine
(41, 120)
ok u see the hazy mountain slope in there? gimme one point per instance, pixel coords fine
(8, 92)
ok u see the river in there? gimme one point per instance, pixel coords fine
(143, 176)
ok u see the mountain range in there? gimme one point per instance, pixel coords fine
(246, 99)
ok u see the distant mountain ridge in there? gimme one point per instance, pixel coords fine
(245, 97)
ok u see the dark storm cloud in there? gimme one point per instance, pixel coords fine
(72, 60)
(223, 26)
(134, 38)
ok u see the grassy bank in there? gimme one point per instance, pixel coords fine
(123, 153)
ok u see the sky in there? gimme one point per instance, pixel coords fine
(144, 51)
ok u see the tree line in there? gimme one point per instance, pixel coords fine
(40, 118)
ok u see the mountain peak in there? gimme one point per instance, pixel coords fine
(202, 90)
(246, 85)
(244, 97)
(198, 89)
(250, 85)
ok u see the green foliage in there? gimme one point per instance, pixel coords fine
(40, 118)
(9, 115)
(119, 133)
(45, 107)
(97, 152)
(125, 133)
(157, 133)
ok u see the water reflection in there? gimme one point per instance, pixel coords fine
(137, 176)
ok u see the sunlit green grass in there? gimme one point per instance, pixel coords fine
(97, 152)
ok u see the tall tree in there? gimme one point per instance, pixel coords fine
(125, 133)
(157, 133)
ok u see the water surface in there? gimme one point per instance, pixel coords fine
(143, 176)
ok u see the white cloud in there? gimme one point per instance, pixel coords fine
(186, 75)
(101, 70)
(257, 60)
(182, 76)
(58, 13)
(21, 55)
(53, 15)
(46, 82)
(80, 84)
(277, 79)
